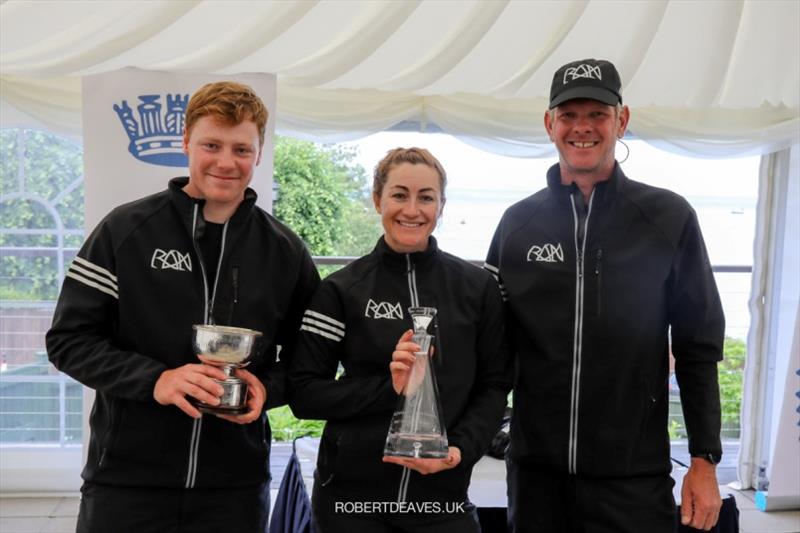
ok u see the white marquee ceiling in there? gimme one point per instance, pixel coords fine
(709, 76)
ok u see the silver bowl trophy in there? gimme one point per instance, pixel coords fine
(228, 348)
(416, 429)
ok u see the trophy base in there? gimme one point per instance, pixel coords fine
(220, 409)
(416, 445)
(232, 401)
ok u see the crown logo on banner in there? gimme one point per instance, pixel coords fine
(157, 136)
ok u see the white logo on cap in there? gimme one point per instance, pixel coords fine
(582, 71)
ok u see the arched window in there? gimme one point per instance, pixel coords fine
(41, 229)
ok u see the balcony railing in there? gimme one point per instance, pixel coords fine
(37, 409)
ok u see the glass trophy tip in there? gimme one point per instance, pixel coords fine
(422, 317)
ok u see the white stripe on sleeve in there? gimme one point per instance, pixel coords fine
(101, 270)
(323, 325)
(90, 283)
(324, 318)
(92, 275)
(320, 332)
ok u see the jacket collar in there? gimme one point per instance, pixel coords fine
(400, 260)
(185, 203)
(604, 192)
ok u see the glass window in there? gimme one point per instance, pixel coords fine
(41, 229)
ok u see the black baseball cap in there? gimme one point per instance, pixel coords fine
(596, 79)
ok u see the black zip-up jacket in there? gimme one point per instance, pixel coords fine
(592, 293)
(125, 315)
(356, 318)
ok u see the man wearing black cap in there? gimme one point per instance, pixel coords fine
(602, 275)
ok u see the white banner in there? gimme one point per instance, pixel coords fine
(132, 134)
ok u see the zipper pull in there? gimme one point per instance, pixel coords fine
(235, 275)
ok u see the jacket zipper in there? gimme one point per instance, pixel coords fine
(194, 441)
(598, 272)
(414, 297)
(580, 248)
(235, 286)
(216, 277)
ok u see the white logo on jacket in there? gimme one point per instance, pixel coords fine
(171, 260)
(546, 253)
(383, 310)
(582, 71)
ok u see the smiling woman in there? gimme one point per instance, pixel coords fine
(409, 196)
(347, 324)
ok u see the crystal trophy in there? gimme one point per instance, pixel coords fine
(416, 429)
(228, 348)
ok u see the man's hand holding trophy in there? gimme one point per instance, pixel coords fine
(220, 385)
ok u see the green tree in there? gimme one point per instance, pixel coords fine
(731, 372)
(40, 189)
(286, 427)
(323, 196)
